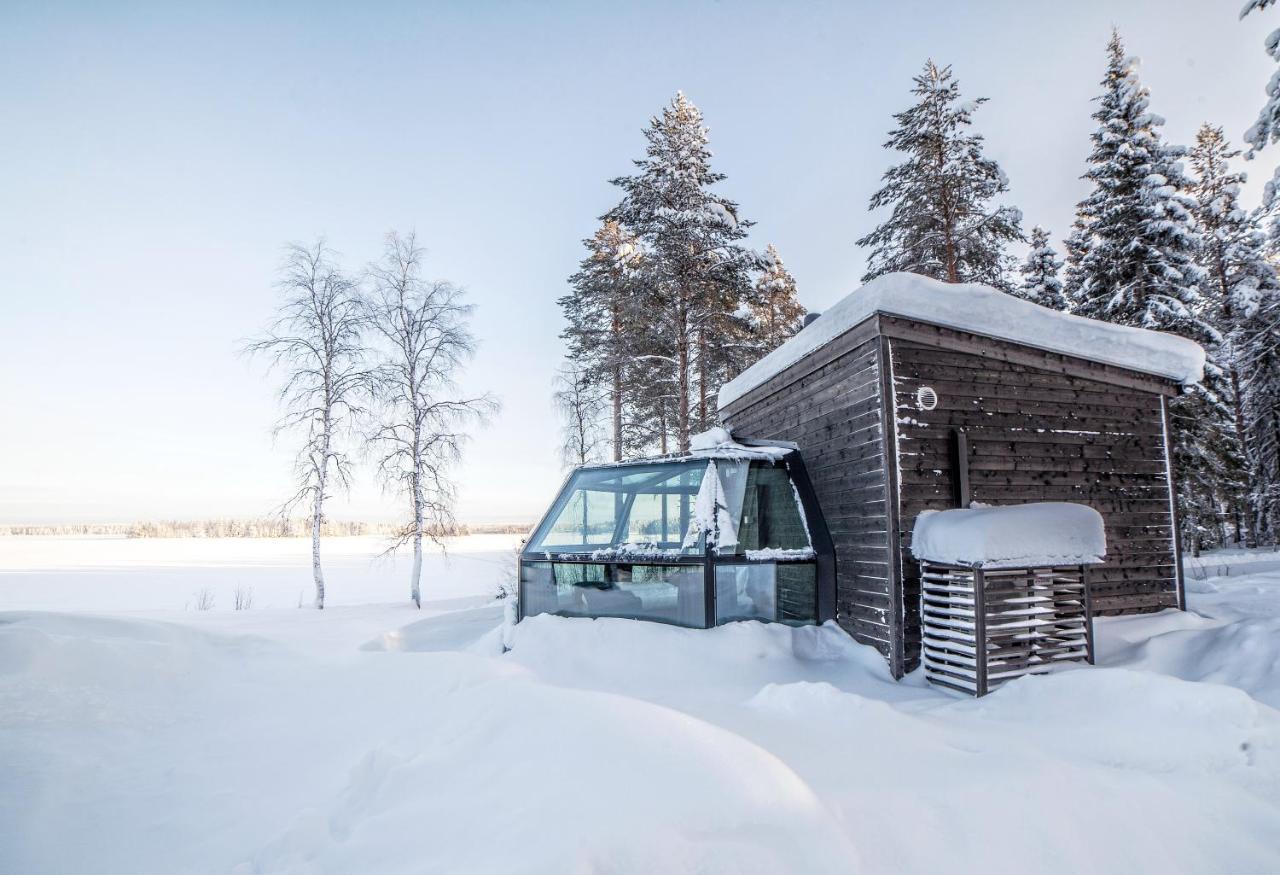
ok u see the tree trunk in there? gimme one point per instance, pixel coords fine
(317, 517)
(702, 379)
(415, 592)
(415, 589)
(617, 390)
(317, 513)
(948, 216)
(1237, 409)
(617, 414)
(682, 378)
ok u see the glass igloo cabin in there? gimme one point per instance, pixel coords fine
(731, 531)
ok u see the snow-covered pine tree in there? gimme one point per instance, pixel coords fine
(1257, 344)
(1267, 128)
(1077, 246)
(1136, 226)
(1238, 277)
(776, 313)
(605, 321)
(942, 224)
(697, 273)
(1134, 262)
(1040, 281)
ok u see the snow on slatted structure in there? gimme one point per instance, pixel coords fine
(911, 395)
(1004, 590)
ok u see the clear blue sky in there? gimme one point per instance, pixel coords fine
(155, 159)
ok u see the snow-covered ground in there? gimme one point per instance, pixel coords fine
(139, 736)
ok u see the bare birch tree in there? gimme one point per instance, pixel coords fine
(580, 403)
(423, 327)
(317, 343)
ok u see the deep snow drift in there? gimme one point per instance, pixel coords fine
(175, 742)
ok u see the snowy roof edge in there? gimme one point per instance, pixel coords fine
(981, 310)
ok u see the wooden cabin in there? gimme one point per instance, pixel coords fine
(912, 395)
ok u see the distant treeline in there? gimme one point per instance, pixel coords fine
(266, 527)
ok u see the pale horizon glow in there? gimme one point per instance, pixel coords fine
(157, 159)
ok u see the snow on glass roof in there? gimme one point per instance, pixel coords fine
(715, 443)
(1012, 536)
(982, 310)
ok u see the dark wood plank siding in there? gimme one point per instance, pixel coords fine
(1052, 431)
(830, 404)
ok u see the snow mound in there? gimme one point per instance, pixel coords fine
(1011, 536)
(607, 746)
(981, 310)
(453, 631)
(728, 663)
(1243, 654)
(518, 777)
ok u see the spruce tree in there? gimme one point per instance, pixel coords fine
(1257, 342)
(1077, 246)
(775, 312)
(1133, 262)
(697, 273)
(1267, 128)
(1238, 276)
(942, 223)
(1040, 281)
(1136, 229)
(1244, 296)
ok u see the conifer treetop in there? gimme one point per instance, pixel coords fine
(942, 224)
(1133, 252)
(1040, 281)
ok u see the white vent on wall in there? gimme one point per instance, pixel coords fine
(926, 398)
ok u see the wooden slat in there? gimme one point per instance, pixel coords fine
(830, 405)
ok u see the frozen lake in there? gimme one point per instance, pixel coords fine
(73, 573)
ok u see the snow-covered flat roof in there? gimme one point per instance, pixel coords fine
(981, 310)
(1011, 536)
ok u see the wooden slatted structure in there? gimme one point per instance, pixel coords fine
(1039, 425)
(984, 627)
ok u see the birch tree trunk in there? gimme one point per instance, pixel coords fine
(419, 519)
(424, 328)
(318, 340)
(317, 505)
(317, 516)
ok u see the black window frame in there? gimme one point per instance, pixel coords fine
(823, 559)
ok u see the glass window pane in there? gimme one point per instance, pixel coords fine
(745, 592)
(797, 592)
(628, 504)
(666, 593)
(784, 592)
(587, 519)
(771, 515)
(537, 591)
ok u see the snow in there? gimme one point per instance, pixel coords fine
(1011, 536)
(718, 443)
(712, 511)
(981, 310)
(773, 554)
(285, 740)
